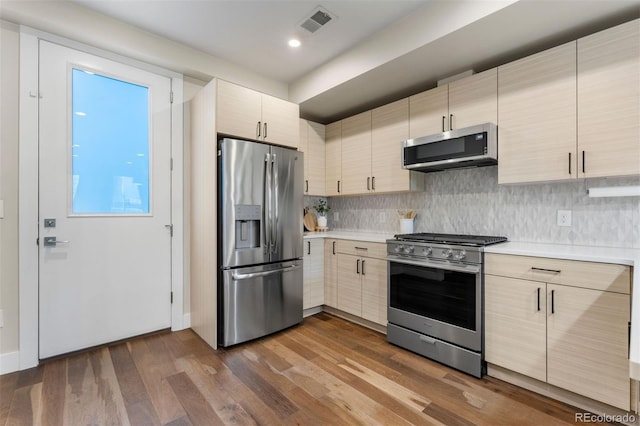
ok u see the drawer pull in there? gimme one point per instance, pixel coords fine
(428, 340)
(552, 271)
(360, 248)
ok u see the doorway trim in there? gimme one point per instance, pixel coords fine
(28, 187)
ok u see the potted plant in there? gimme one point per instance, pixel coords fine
(322, 208)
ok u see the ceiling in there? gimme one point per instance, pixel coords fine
(254, 34)
(374, 51)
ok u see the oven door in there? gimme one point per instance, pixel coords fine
(438, 299)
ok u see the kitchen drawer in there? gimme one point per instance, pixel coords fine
(593, 275)
(362, 248)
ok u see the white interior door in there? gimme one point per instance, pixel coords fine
(105, 178)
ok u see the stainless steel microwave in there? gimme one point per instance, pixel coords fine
(468, 147)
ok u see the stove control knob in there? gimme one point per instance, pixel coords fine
(398, 249)
(447, 253)
(461, 255)
(408, 249)
(426, 251)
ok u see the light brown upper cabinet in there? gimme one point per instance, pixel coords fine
(371, 152)
(312, 144)
(333, 152)
(609, 102)
(356, 154)
(245, 113)
(537, 126)
(390, 126)
(462, 103)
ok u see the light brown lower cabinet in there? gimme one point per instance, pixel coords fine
(330, 273)
(313, 273)
(570, 336)
(362, 280)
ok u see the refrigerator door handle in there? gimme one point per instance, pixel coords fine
(266, 197)
(274, 208)
(239, 277)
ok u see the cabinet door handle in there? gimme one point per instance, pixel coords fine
(309, 247)
(553, 271)
(363, 268)
(368, 184)
(333, 247)
(450, 121)
(538, 299)
(259, 128)
(553, 302)
(358, 266)
(569, 163)
(443, 120)
(338, 187)
(583, 166)
(373, 183)
(306, 186)
(265, 130)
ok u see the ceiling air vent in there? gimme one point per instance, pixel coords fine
(318, 19)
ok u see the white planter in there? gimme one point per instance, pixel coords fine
(322, 221)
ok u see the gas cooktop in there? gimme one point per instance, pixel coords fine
(465, 240)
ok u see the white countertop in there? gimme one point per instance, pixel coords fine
(619, 256)
(371, 237)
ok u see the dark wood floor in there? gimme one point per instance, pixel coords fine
(324, 371)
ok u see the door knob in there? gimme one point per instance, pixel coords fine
(53, 241)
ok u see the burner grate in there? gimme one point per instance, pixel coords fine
(471, 240)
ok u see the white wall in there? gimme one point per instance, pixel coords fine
(9, 54)
(80, 24)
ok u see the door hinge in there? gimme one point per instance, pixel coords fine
(170, 228)
(37, 241)
(171, 297)
(170, 97)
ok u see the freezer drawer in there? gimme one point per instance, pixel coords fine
(260, 300)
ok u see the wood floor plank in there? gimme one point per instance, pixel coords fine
(54, 381)
(196, 406)
(154, 367)
(8, 385)
(201, 373)
(140, 409)
(264, 390)
(108, 389)
(20, 412)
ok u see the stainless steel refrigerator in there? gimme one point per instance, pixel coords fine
(260, 206)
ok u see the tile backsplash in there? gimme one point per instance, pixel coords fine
(470, 201)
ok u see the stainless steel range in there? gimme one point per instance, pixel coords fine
(435, 292)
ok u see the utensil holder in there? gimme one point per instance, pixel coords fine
(406, 226)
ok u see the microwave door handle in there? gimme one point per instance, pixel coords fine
(472, 269)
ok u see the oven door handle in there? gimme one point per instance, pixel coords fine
(472, 269)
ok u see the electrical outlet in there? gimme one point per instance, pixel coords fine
(564, 217)
(336, 216)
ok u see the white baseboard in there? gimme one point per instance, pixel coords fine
(9, 362)
(186, 321)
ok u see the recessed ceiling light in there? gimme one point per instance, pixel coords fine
(294, 42)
